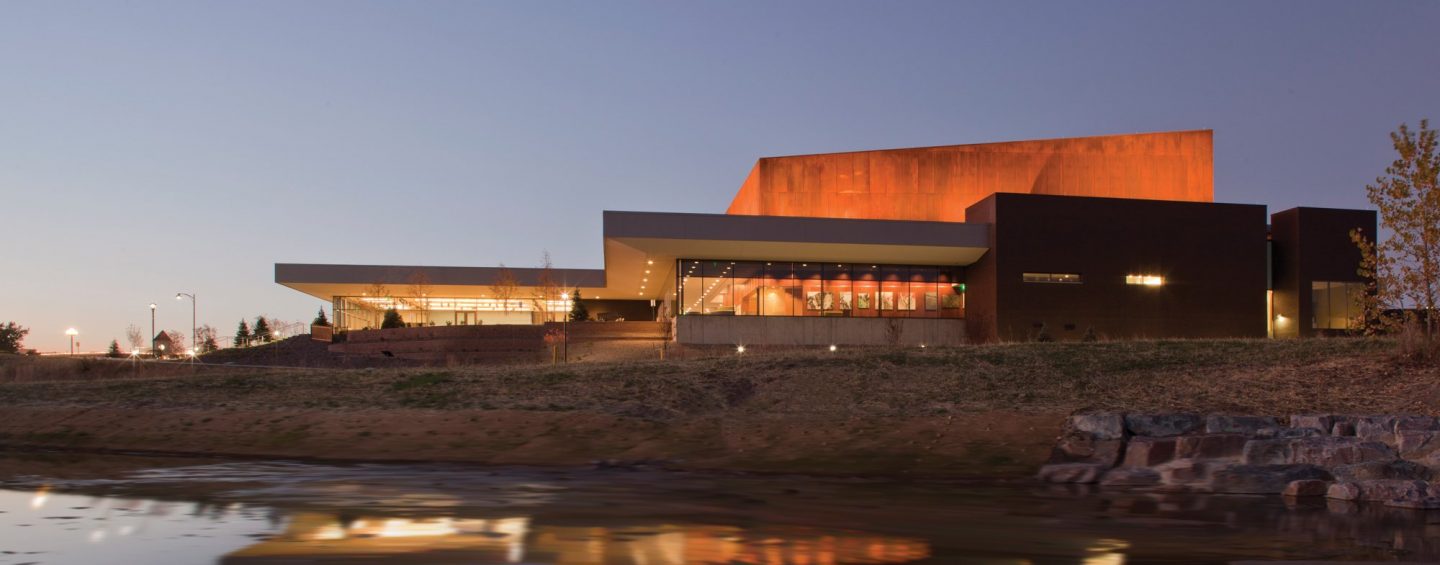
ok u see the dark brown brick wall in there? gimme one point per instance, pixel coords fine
(1312, 244)
(1212, 257)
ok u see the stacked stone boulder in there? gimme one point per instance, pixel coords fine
(1387, 459)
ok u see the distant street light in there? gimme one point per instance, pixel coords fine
(152, 330)
(194, 328)
(72, 333)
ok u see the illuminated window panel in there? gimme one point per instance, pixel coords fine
(1335, 305)
(1054, 278)
(1145, 280)
(471, 304)
(818, 289)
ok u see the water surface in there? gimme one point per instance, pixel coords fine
(65, 508)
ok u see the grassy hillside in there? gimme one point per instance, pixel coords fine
(982, 410)
(1257, 376)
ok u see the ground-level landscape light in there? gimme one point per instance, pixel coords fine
(739, 349)
(832, 348)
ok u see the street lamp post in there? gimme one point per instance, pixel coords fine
(194, 329)
(72, 333)
(152, 329)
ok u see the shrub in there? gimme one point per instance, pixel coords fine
(1089, 336)
(392, 320)
(1042, 334)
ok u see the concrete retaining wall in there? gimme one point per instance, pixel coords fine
(776, 330)
(471, 344)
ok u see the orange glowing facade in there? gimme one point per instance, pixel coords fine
(939, 183)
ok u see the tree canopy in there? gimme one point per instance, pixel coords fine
(11, 336)
(1405, 267)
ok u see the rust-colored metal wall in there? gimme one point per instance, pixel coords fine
(939, 183)
(1308, 245)
(1212, 257)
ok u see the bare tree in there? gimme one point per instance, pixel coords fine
(382, 301)
(134, 337)
(547, 287)
(208, 339)
(420, 295)
(505, 287)
(177, 342)
(1406, 266)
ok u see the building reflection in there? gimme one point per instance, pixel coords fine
(518, 540)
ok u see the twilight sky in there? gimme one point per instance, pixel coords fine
(154, 147)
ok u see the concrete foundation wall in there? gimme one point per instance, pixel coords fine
(767, 330)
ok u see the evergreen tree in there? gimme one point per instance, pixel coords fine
(242, 335)
(578, 311)
(392, 320)
(262, 330)
(114, 350)
(1042, 334)
(320, 319)
(209, 344)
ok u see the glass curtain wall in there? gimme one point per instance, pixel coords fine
(758, 288)
(1335, 305)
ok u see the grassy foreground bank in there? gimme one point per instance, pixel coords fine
(951, 411)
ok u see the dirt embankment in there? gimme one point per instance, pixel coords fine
(965, 411)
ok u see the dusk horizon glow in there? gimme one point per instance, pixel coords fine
(164, 147)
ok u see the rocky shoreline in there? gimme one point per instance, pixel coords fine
(1385, 459)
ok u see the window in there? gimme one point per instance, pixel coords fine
(814, 288)
(1062, 278)
(1332, 304)
(1146, 280)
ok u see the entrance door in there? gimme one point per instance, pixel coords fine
(466, 318)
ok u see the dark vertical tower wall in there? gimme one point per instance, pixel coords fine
(1310, 245)
(1212, 258)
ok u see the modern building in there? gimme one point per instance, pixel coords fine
(1115, 236)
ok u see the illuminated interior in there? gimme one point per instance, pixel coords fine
(1335, 305)
(1058, 278)
(1145, 280)
(779, 288)
(366, 312)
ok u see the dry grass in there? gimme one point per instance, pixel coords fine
(1242, 376)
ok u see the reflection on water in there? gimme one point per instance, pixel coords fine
(514, 540)
(66, 509)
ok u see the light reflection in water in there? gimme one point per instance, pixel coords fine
(284, 512)
(511, 540)
(38, 501)
(1107, 552)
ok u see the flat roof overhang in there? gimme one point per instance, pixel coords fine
(637, 242)
(641, 249)
(328, 281)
